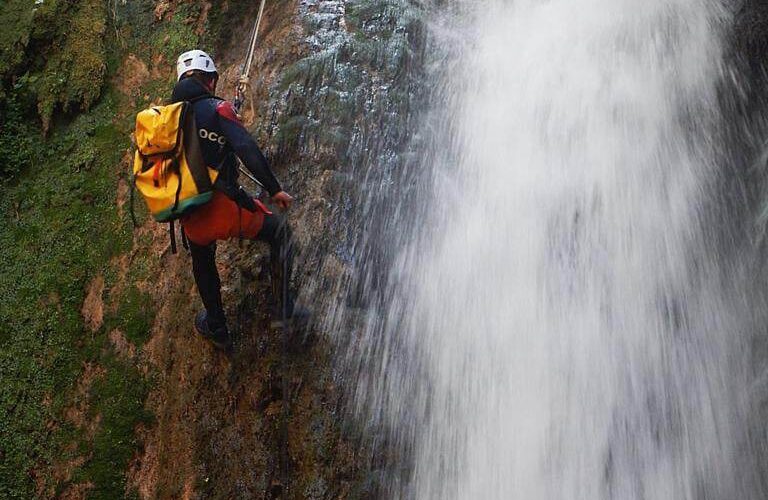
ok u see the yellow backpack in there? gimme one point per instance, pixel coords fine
(168, 167)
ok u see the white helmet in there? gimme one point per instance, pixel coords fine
(194, 60)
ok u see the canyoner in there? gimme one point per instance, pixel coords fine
(192, 177)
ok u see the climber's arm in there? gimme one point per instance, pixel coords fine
(246, 148)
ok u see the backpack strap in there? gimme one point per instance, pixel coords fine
(184, 240)
(172, 232)
(177, 168)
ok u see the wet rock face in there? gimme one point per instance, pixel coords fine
(348, 119)
(751, 31)
(336, 88)
(744, 98)
(747, 102)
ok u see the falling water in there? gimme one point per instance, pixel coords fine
(559, 325)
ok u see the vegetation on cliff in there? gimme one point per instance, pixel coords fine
(64, 133)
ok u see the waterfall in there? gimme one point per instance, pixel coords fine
(560, 321)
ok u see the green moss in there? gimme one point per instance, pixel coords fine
(132, 22)
(222, 15)
(156, 90)
(52, 239)
(17, 140)
(118, 399)
(178, 34)
(59, 227)
(16, 18)
(74, 75)
(134, 316)
(59, 48)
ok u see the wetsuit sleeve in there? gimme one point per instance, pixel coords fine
(246, 148)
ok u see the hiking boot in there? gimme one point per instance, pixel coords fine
(219, 337)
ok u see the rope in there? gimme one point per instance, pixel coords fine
(244, 81)
(254, 36)
(248, 174)
(245, 72)
(242, 84)
(287, 334)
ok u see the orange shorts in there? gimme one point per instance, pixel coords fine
(221, 219)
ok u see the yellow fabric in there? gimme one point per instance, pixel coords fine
(163, 195)
(160, 162)
(157, 128)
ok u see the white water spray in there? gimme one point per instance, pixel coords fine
(567, 330)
